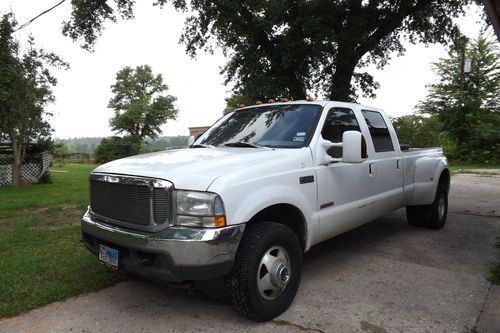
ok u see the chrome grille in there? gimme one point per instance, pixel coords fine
(135, 202)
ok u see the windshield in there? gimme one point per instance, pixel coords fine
(276, 126)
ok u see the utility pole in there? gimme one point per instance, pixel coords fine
(462, 63)
(462, 45)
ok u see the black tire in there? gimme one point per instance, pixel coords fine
(431, 216)
(242, 284)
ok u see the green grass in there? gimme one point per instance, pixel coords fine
(66, 188)
(458, 167)
(41, 257)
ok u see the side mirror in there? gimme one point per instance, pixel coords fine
(353, 148)
(190, 140)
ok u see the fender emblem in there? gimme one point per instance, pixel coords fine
(306, 179)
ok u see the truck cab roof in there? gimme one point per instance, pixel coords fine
(322, 103)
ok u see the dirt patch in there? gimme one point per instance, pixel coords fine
(56, 216)
(67, 214)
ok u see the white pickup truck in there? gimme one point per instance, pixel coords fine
(255, 191)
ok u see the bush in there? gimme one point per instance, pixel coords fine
(428, 131)
(115, 148)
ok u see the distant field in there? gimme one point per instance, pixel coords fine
(41, 257)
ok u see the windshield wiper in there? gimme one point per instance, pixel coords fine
(244, 144)
(201, 145)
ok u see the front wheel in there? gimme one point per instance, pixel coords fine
(266, 273)
(433, 215)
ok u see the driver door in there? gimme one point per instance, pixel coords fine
(344, 189)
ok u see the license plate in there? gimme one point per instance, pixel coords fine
(108, 256)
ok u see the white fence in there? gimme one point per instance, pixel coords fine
(30, 172)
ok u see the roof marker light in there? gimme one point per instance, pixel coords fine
(284, 99)
(242, 105)
(310, 98)
(258, 103)
(271, 100)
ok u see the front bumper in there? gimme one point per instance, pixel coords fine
(173, 254)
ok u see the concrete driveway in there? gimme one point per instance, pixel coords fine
(383, 277)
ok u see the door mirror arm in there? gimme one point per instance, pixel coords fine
(353, 148)
(326, 159)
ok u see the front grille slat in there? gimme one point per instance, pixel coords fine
(160, 201)
(129, 203)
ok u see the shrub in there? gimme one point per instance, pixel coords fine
(116, 147)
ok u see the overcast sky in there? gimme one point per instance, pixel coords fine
(83, 91)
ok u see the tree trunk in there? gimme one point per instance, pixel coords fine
(297, 90)
(16, 161)
(340, 88)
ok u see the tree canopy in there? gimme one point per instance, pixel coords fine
(293, 47)
(140, 103)
(25, 90)
(469, 107)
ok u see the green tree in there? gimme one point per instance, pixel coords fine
(235, 100)
(139, 102)
(423, 131)
(417, 130)
(292, 47)
(116, 147)
(25, 90)
(469, 107)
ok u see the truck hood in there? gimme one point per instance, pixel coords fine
(195, 168)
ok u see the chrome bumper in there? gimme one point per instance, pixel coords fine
(172, 254)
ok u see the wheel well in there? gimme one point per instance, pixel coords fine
(444, 179)
(285, 214)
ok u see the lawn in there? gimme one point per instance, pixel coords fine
(41, 257)
(459, 167)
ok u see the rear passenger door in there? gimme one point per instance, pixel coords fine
(385, 165)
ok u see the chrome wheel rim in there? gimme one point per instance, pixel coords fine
(441, 207)
(274, 272)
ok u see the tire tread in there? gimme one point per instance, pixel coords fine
(237, 283)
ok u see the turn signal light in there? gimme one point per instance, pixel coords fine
(220, 221)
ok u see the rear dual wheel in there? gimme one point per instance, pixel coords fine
(266, 273)
(431, 216)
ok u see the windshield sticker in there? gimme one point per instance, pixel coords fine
(301, 133)
(299, 138)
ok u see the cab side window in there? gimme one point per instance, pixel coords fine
(378, 130)
(338, 120)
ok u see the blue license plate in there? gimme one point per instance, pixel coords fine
(108, 256)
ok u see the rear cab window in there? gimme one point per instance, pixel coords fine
(379, 132)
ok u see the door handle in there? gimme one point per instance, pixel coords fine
(371, 171)
(397, 164)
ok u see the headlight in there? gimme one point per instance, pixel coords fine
(199, 209)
